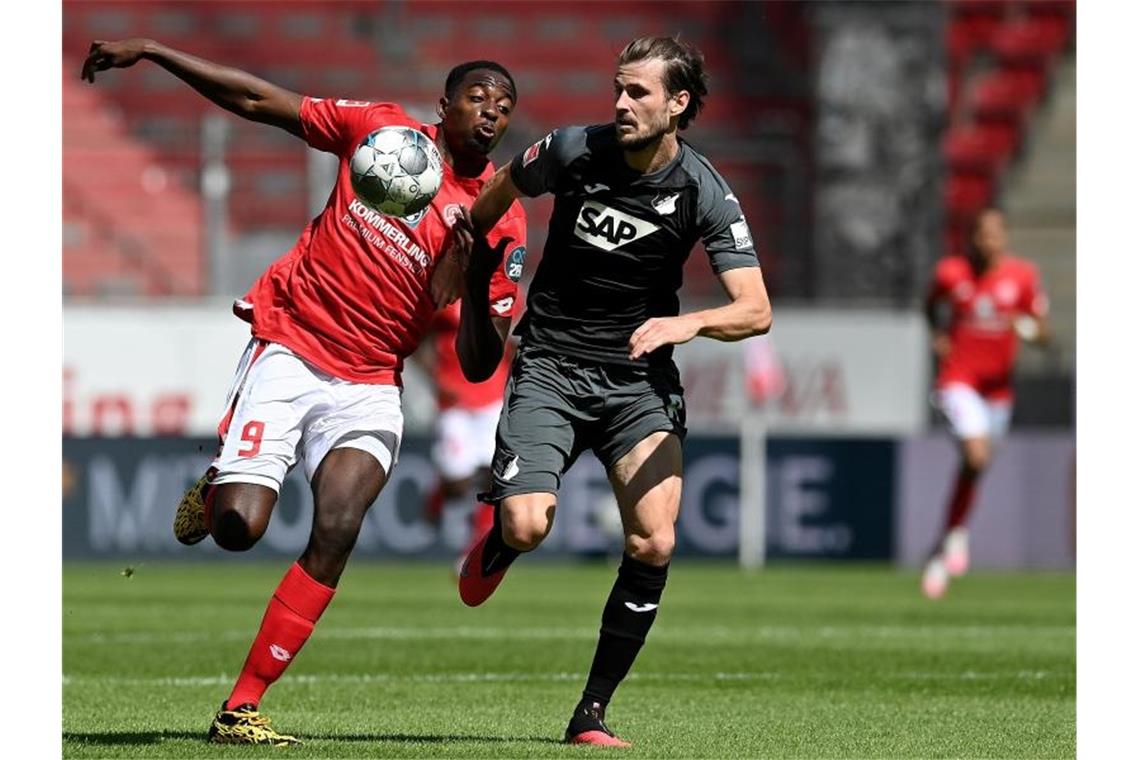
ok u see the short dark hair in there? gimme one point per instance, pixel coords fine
(456, 75)
(684, 69)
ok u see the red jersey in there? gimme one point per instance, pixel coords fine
(452, 388)
(983, 344)
(352, 297)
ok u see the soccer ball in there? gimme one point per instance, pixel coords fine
(396, 171)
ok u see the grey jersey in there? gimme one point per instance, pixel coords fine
(618, 241)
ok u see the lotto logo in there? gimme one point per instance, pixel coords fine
(608, 228)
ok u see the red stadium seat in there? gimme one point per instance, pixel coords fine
(1034, 39)
(981, 148)
(976, 21)
(1007, 94)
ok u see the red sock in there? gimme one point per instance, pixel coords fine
(961, 501)
(296, 606)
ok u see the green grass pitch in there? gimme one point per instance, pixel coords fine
(790, 662)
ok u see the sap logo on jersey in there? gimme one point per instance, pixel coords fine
(608, 228)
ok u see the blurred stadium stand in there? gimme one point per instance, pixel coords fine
(1002, 59)
(139, 231)
(402, 51)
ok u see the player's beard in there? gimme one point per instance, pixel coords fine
(636, 142)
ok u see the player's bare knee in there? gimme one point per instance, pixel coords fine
(240, 515)
(653, 549)
(525, 533)
(234, 532)
(976, 457)
(527, 523)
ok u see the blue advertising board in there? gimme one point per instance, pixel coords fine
(827, 498)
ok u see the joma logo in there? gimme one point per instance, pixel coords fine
(609, 228)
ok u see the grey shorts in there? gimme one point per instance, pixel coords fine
(556, 407)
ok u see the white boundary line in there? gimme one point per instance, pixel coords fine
(710, 634)
(452, 678)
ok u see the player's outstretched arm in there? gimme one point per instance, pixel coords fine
(494, 200)
(482, 337)
(749, 313)
(235, 90)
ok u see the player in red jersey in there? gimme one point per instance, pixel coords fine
(465, 426)
(332, 321)
(992, 298)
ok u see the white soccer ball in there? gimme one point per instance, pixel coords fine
(396, 171)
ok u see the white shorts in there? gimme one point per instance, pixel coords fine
(281, 407)
(970, 415)
(465, 440)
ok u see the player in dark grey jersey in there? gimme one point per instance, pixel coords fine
(595, 368)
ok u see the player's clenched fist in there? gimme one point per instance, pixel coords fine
(112, 55)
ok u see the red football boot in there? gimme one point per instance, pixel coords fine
(474, 587)
(587, 727)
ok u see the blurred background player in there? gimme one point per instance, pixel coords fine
(978, 306)
(332, 322)
(464, 429)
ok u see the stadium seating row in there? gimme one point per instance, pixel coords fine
(562, 56)
(133, 230)
(1000, 57)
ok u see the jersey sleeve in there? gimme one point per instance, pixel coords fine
(335, 125)
(503, 296)
(723, 228)
(536, 170)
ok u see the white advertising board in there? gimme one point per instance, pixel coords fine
(839, 372)
(165, 370)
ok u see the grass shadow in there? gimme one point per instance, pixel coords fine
(110, 738)
(133, 738)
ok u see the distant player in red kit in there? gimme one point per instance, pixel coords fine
(992, 298)
(468, 414)
(332, 322)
